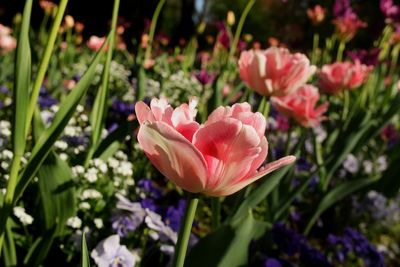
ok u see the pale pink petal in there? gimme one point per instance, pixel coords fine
(229, 148)
(174, 156)
(143, 112)
(233, 188)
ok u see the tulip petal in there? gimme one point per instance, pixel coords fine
(270, 167)
(229, 148)
(143, 112)
(174, 156)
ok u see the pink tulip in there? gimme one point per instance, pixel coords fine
(301, 106)
(347, 26)
(95, 42)
(275, 71)
(217, 158)
(339, 76)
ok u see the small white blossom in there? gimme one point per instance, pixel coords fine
(382, 163)
(91, 175)
(24, 218)
(63, 156)
(351, 163)
(90, 194)
(61, 145)
(98, 222)
(368, 166)
(84, 206)
(74, 222)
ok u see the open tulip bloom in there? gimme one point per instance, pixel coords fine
(217, 158)
(275, 71)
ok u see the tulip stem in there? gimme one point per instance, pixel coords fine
(216, 212)
(342, 46)
(184, 232)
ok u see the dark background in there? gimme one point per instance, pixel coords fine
(285, 20)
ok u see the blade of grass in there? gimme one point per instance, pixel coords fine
(45, 143)
(100, 104)
(20, 100)
(44, 63)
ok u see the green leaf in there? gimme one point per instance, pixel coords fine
(260, 193)
(100, 107)
(85, 260)
(9, 252)
(228, 245)
(39, 251)
(55, 187)
(67, 108)
(109, 145)
(285, 204)
(336, 194)
(22, 82)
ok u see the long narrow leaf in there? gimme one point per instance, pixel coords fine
(67, 108)
(100, 106)
(57, 196)
(85, 260)
(335, 195)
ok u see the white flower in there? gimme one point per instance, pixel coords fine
(101, 165)
(113, 163)
(91, 194)
(7, 154)
(61, 145)
(74, 222)
(91, 175)
(125, 168)
(382, 163)
(368, 166)
(79, 108)
(98, 222)
(24, 218)
(78, 169)
(84, 206)
(351, 163)
(5, 165)
(63, 156)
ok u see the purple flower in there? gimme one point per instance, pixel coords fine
(342, 8)
(148, 203)
(121, 109)
(110, 253)
(311, 257)
(204, 77)
(4, 89)
(123, 224)
(390, 10)
(369, 58)
(287, 240)
(45, 100)
(355, 242)
(174, 215)
(147, 186)
(271, 262)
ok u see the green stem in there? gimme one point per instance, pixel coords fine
(315, 49)
(156, 14)
(342, 46)
(240, 27)
(9, 197)
(100, 106)
(346, 103)
(44, 64)
(288, 138)
(216, 212)
(184, 232)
